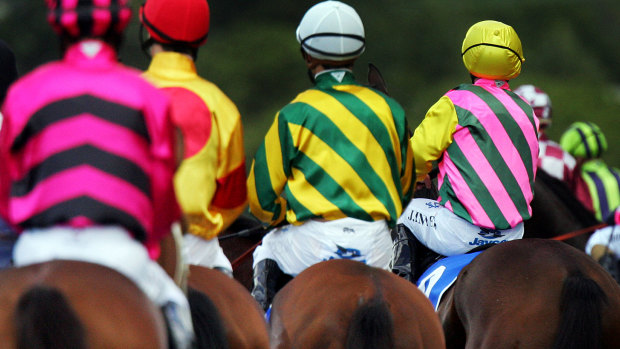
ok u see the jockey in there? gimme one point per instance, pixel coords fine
(596, 185)
(484, 138)
(210, 181)
(87, 156)
(551, 158)
(335, 165)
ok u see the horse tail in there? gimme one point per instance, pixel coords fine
(580, 313)
(207, 322)
(371, 326)
(44, 319)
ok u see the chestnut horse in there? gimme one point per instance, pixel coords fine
(342, 303)
(71, 304)
(532, 293)
(241, 318)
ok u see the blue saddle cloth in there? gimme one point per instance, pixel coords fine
(441, 275)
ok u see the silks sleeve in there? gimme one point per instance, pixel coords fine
(267, 178)
(433, 136)
(230, 198)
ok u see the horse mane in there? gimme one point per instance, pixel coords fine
(581, 310)
(371, 326)
(207, 322)
(45, 320)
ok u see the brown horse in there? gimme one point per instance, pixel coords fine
(243, 321)
(346, 304)
(70, 304)
(532, 293)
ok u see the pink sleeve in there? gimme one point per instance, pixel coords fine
(165, 207)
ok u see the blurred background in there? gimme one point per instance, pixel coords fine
(572, 51)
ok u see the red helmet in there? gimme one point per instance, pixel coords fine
(176, 21)
(88, 18)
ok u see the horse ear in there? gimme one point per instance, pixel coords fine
(375, 79)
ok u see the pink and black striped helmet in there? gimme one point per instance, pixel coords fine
(88, 18)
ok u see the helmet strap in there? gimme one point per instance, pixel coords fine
(311, 76)
(179, 47)
(145, 43)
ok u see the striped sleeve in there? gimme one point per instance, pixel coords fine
(267, 177)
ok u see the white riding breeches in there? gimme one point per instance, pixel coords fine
(207, 253)
(444, 232)
(296, 247)
(112, 247)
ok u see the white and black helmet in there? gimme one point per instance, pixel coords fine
(331, 30)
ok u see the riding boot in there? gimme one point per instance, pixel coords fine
(180, 329)
(402, 253)
(410, 257)
(268, 278)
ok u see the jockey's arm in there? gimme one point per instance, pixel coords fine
(267, 179)
(433, 136)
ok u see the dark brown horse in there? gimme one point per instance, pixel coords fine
(532, 293)
(69, 304)
(556, 212)
(243, 321)
(346, 304)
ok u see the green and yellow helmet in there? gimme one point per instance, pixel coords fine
(584, 139)
(492, 50)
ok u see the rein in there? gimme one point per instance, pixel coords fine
(245, 254)
(579, 232)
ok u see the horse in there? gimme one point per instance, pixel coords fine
(242, 320)
(532, 293)
(72, 304)
(343, 303)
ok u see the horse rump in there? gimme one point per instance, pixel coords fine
(371, 326)
(44, 319)
(581, 313)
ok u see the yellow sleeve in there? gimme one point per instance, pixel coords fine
(229, 199)
(433, 136)
(407, 172)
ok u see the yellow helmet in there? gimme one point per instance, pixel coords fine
(492, 50)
